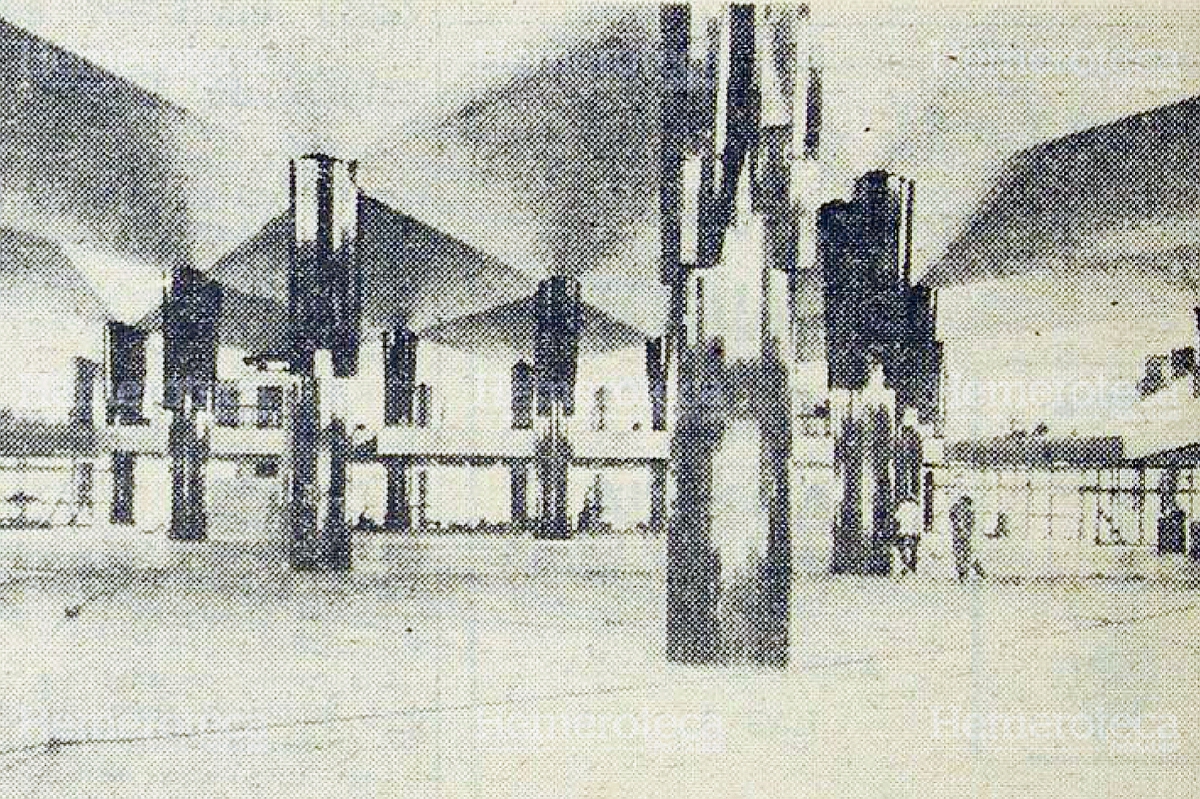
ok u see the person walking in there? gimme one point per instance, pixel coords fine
(962, 528)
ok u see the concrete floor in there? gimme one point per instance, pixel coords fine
(446, 666)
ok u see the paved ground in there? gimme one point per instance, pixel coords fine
(507, 667)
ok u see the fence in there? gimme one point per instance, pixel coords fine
(1117, 506)
(42, 491)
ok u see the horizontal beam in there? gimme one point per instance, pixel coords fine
(454, 445)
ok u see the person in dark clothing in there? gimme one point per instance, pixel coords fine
(962, 528)
(1171, 518)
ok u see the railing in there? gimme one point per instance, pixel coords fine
(1107, 507)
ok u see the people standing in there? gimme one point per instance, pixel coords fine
(962, 529)
(1171, 518)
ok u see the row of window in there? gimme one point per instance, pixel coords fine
(227, 406)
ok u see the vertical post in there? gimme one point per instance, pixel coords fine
(126, 361)
(929, 510)
(558, 324)
(399, 387)
(656, 380)
(334, 552)
(398, 513)
(422, 498)
(126, 354)
(883, 355)
(519, 494)
(522, 419)
(1140, 504)
(324, 316)
(304, 425)
(191, 315)
(81, 487)
(83, 416)
(658, 496)
(121, 510)
(729, 546)
(83, 432)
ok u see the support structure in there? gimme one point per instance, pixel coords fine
(399, 395)
(121, 509)
(522, 419)
(558, 324)
(191, 316)
(884, 362)
(656, 381)
(731, 236)
(83, 415)
(125, 353)
(324, 316)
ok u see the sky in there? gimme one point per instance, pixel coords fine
(478, 117)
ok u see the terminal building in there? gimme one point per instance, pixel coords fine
(440, 415)
(358, 364)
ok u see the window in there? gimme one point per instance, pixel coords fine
(228, 405)
(270, 406)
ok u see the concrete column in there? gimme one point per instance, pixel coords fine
(191, 318)
(519, 494)
(334, 551)
(398, 515)
(558, 324)
(188, 447)
(553, 463)
(324, 315)
(320, 456)
(82, 484)
(422, 498)
(656, 383)
(523, 389)
(83, 415)
(83, 432)
(729, 546)
(127, 373)
(399, 376)
(399, 395)
(304, 490)
(884, 364)
(864, 459)
(121, 510)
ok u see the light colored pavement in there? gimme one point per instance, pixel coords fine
(500, 667)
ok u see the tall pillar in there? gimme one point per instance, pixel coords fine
(656, 381)
(398, 511)
(399, 376)
(191, 318)
(334, 552)
(83, 415)
(399, 387)
(558, 324)
(324, 316)
(121, 509)
(884, 364)
(518, 487)
(422, 498)
(126, 361)
(126, 353)
(82, 481)
(522, 419)
(729, 546)
(188, 447)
